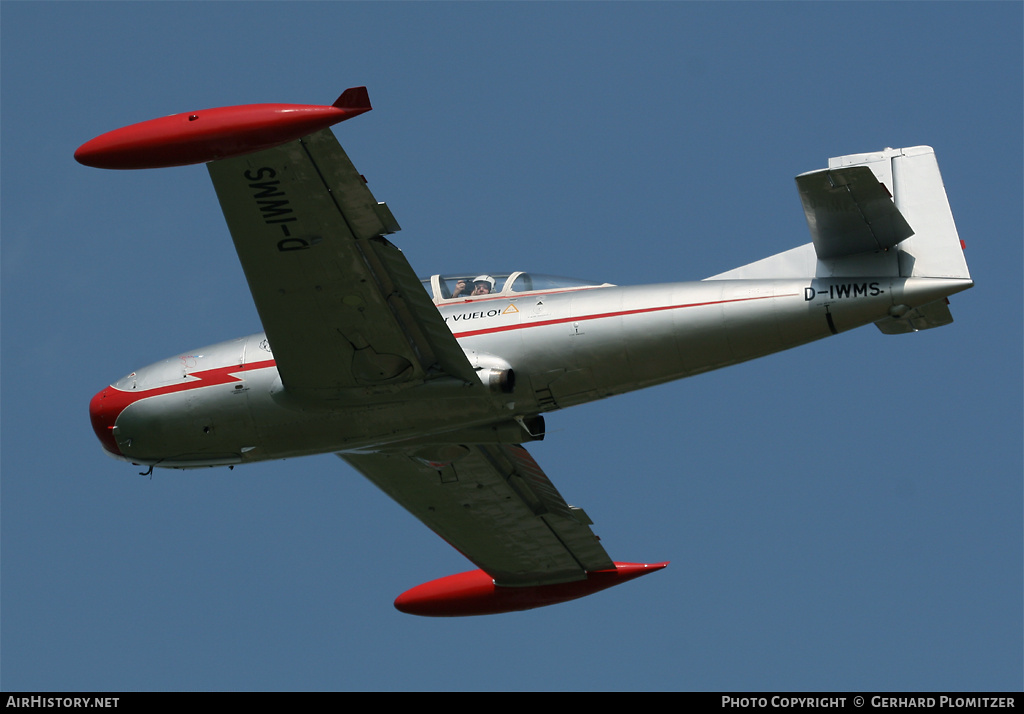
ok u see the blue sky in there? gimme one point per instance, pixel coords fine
(845, 516)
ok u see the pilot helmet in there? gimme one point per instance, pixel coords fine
(484, 279)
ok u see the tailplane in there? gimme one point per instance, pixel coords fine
(881, 214)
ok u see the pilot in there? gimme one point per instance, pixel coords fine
(482, 285)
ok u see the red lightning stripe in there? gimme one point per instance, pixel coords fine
(109, 403)
(203, 378)
(106, 406)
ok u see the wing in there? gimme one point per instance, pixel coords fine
(849, 211)
(342, 309)
(495, 505)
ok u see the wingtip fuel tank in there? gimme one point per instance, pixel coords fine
(219, 133)
(475, 592)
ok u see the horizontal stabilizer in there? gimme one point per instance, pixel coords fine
(848, 212)
(934, 314)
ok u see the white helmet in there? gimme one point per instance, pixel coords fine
(484, 279)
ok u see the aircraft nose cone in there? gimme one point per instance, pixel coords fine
(103, 412)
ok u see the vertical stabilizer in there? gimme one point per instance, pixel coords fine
(900, 226)
(912, 177)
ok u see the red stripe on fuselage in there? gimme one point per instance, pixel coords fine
(202, 378)
(107, 405)
(512, 295)
(598, 316)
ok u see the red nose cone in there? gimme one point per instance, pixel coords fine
(103, 411)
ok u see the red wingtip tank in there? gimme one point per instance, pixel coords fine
(474, 592)
(219, 133)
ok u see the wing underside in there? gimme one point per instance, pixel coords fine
(342, 309)
(347, 318)
(496, 506)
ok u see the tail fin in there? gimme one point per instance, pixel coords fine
(892, 222)
(884, 215)
(913, 179)
(934, 250)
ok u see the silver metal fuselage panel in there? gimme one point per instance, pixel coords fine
(225, 404)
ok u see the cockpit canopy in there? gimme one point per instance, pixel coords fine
(457, 288)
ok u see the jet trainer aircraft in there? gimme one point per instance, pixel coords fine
(428, 387)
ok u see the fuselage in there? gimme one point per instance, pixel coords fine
(225, 404)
